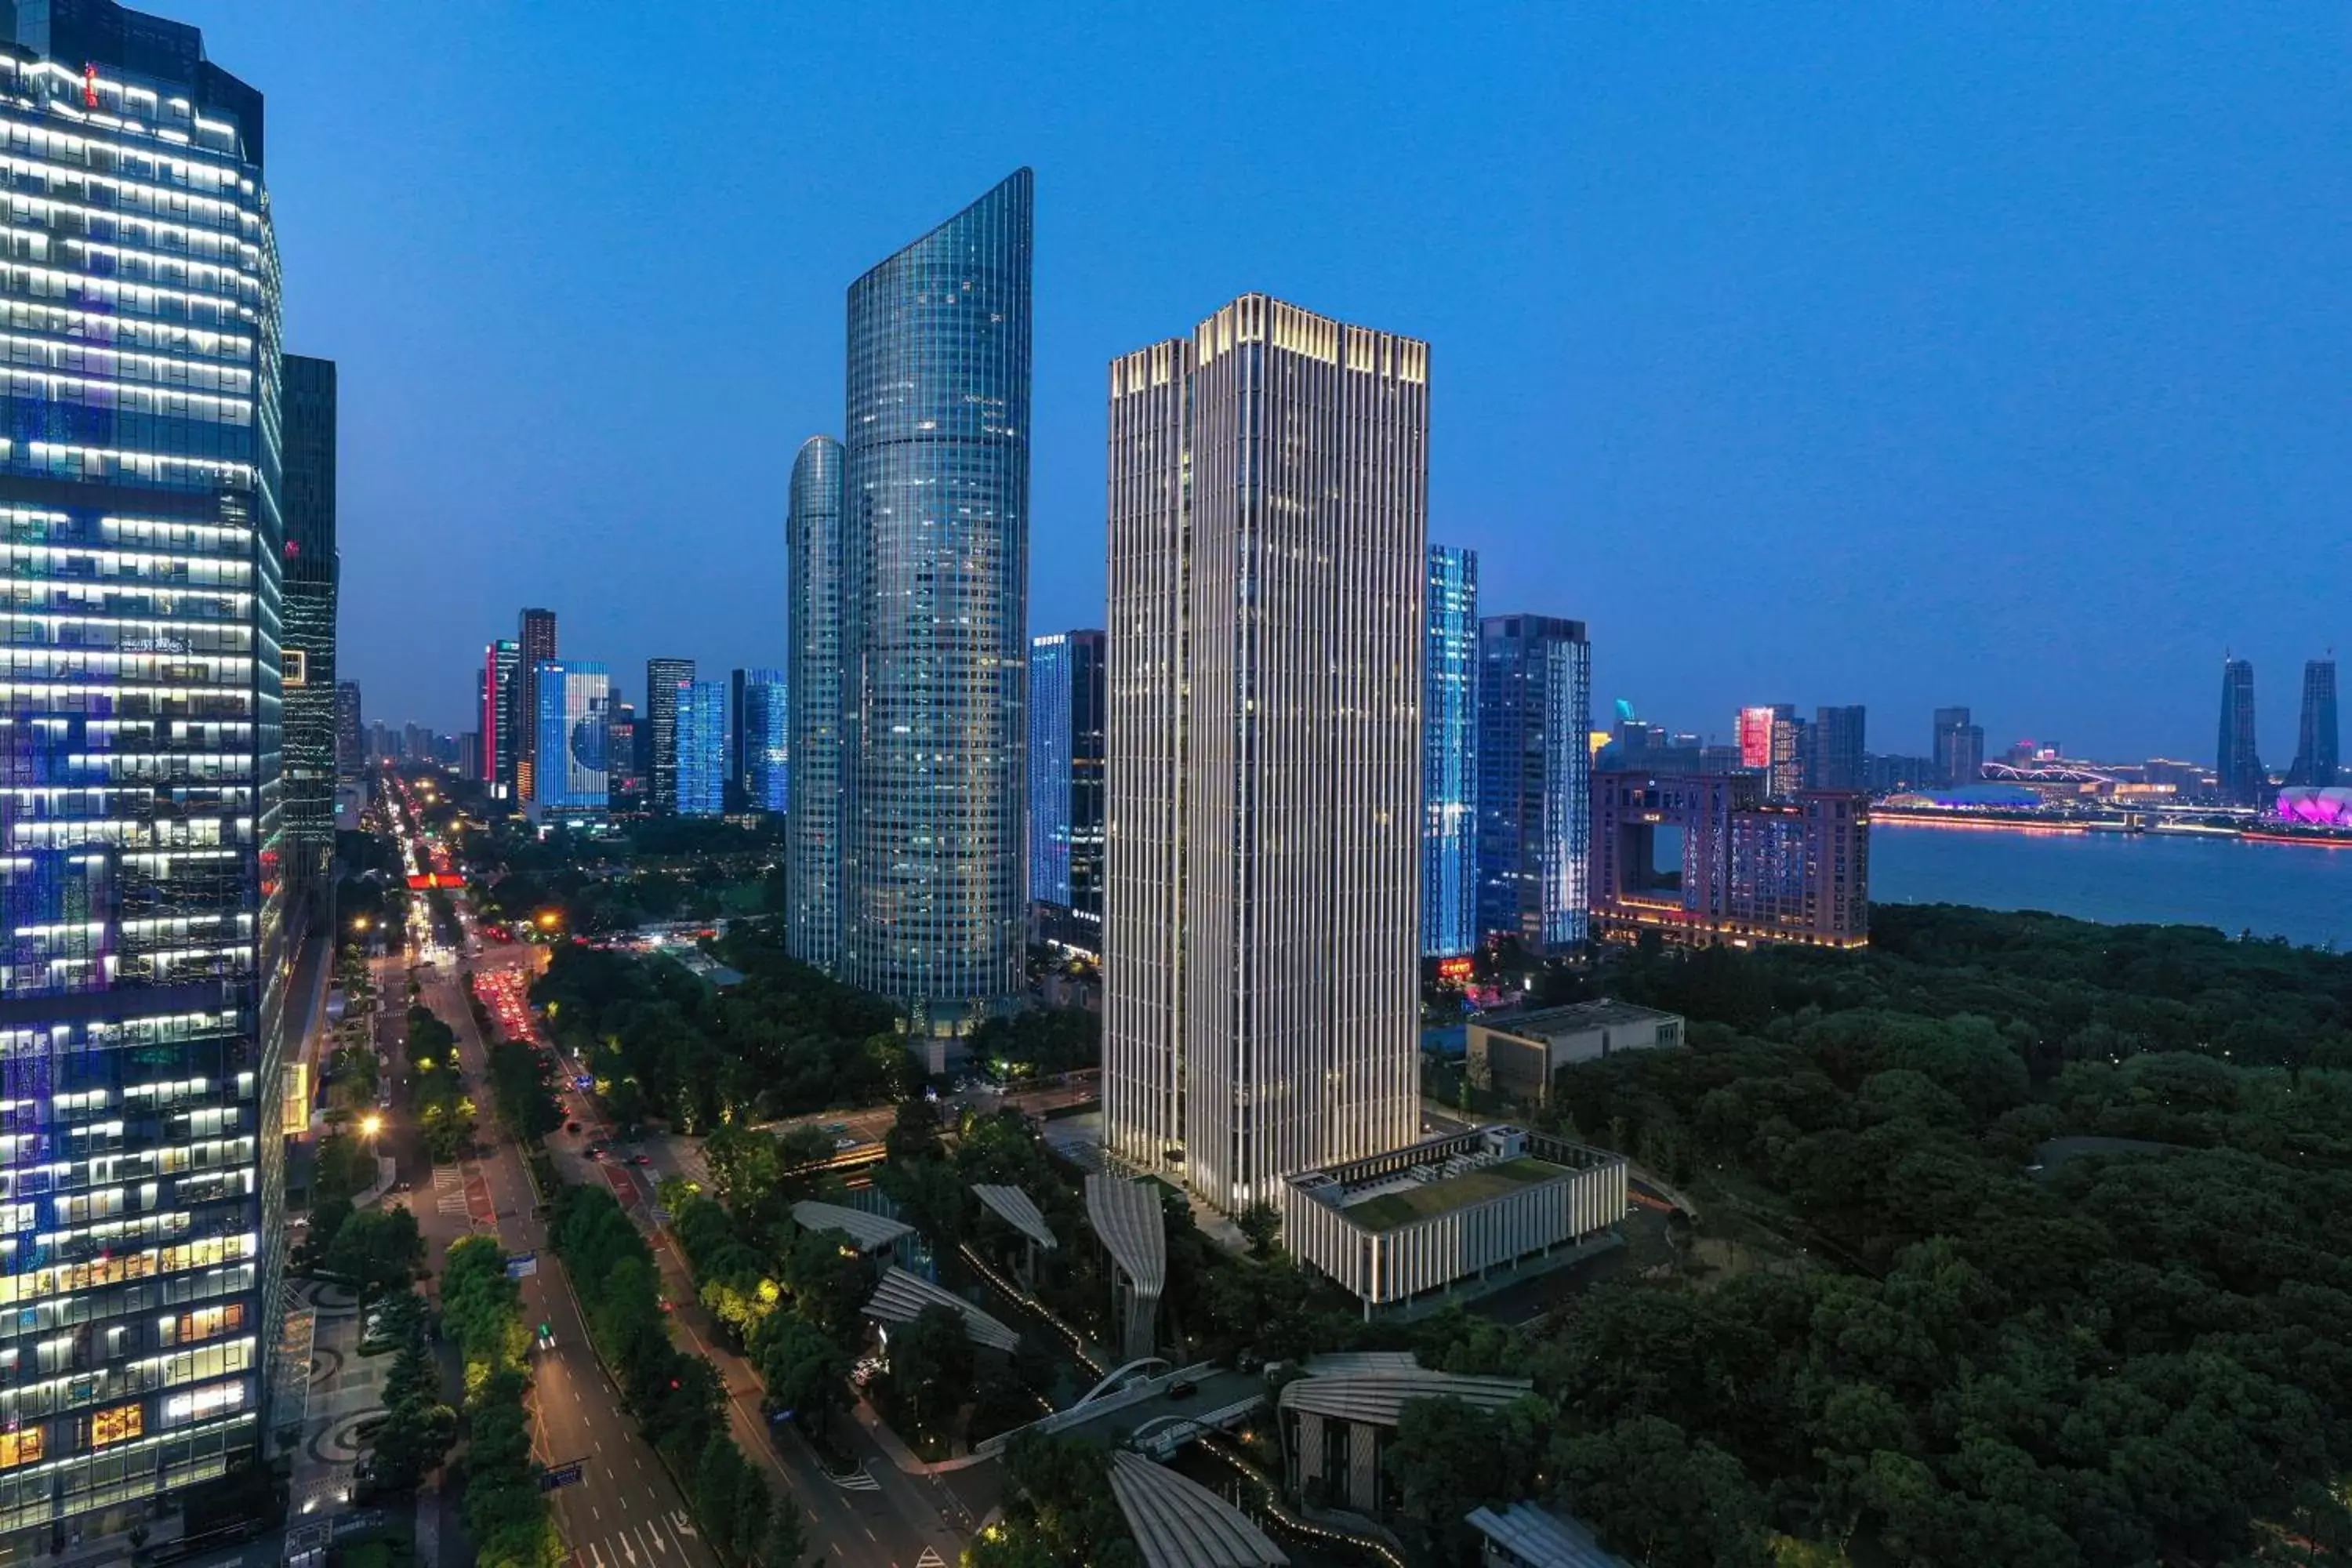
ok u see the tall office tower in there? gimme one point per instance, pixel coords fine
(935, 568)
(1067, 670)
(1960, 747)
(382, 742)
(2238, 774)
(419, 741)
(812, 673)
(1791, 753)
(1268, 499)
(624, 782)
(535, 632)
(1449, 756)
(494, 693)
(698, 759)
(570, 748)
(307, 500)
(764, 739)
(143, 891)
(1534, 772)
(350, 733)
(2315, 746)
(665, 677)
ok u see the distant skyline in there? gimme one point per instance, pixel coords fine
(1898, 357)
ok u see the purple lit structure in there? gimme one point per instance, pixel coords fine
(2317, 807)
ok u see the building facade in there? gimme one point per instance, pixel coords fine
(699, 725)
(1519, 1053)
(535, 631)
(812, 677)
(935, 556)
(1836, 760)
(1268, 502)
(144, 883)
(495, 720)
(1960, 747)
(1067, 674)
(1705, 859)
(1449, 754)
(624, 782)
(2238, 774)
(763, 742)
(2316, 740)
(570, 747)
(666, 679)
(1535, 768)
(350, 731)
(311, 571)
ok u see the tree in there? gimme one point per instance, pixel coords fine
(377, 1250)
(804, 1371)
(931, 1366)
(1260, 1224)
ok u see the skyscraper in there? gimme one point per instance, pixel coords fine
(1837, 749)
(813, 672)
(935, 558)
(535, 630)
(2315, 746)
(1960, 747)
(1268, 499)
(496, 693)
(665, 677)
(1449, 756)
(2238, 772)
(351, 730)
(1066, 782)
(569, 750)
(1535, 773)
(142, 889)
(699, 758)
(764, 739)
(624, 782)
(307, 419)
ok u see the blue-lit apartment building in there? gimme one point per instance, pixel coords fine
(1535, 780)
(142, 882)
(1449, 756)
(570, 745)
(763, 740)
(1067, 672)
(698, 732)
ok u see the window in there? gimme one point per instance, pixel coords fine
(20, 1448)
(115, 1425)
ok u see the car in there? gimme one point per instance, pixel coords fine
(596, 1151)
(1182, 1388)
(641, 1160)
(843, 1144)
(571, 1127)
(546, 1336)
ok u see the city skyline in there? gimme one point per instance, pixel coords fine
(1660, 404)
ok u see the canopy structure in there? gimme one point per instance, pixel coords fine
(902, 1297)
(1335, 1418)
(1133, 1228)
(1539, 1536)
(1017, 1209)
(1378, 1397)
(1180, 1523)
(871, 1232)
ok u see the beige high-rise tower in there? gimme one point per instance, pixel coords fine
(1268, 505)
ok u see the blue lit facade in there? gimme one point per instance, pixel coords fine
(142, 888)
(1067, 671)
(569, 761)
(1449, 756)
(700, 730)
(763, 740)
(1535, 779)
(812, 847)
(935, 565)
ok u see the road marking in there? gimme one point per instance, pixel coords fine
(679, 1525)
(930, 1559)
(858, 1480)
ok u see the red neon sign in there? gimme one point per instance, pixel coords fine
(90, 85)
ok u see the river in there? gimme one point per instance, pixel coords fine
(2302, 892)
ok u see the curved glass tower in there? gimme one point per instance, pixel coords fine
(935, 563)
(812, 841)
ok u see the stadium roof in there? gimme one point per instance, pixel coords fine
(871, 1232)
(1126, 1215)
(1015, 1209)
(901, 1297)
(1180, 1524)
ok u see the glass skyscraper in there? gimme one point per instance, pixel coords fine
(500, 741)
(664, 679)
(1065, 785)
(764, 739)
(1535, 779)
(143, 881)
(2317, 737)
(698, 726)
(535, 630)
(311, 574)
(569, 751)
(935, 567)
(813, 675)
(1449, 756)
(2238, 768)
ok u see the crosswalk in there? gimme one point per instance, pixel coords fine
(860, 1479)
(638, 1545)
(450, 1191)
(930, 1559)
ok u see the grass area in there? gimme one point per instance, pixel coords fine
(1391, 1210)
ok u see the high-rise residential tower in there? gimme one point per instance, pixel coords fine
(2238, 773)
(351, 730)
(1449, 756)
(762, 744)
(1067, 671)
(2315, 745)
(935, 566)
(1960, 747)
(535, 630)
(813, 675)
(698, 755)
(1268, 500)
(1837, 749)
(142, 887)
(1534, 772)
(664, 679)
(307, 420)
(624, 782)
(495, 692)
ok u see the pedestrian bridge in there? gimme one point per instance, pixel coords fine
(1135, 1401)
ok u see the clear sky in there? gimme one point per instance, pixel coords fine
(1896, 354)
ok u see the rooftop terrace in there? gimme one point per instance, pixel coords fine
(1404, 1200)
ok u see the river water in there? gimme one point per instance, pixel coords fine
(2302, 892)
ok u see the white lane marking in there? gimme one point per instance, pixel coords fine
(679, 1525)
(930, 1559)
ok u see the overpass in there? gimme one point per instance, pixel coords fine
(1137, 1401)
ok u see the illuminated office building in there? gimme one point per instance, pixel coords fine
(1960, 747)
(812, 677)
(1835, 758)
(495, 693)
(1066, 787)
(311, 573)
(1449, 756)
(1704, 859)
(350, 733)
(2238, 772)
(143, 882)
(624, 782)
(1268, 500)
(535, 631)
(698, 759)
(1535, 767)
(935, 569)
(2316, 740)
(664, 679)
(762, 744)
(571, 740)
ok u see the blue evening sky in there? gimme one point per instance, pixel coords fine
(1896, 354)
